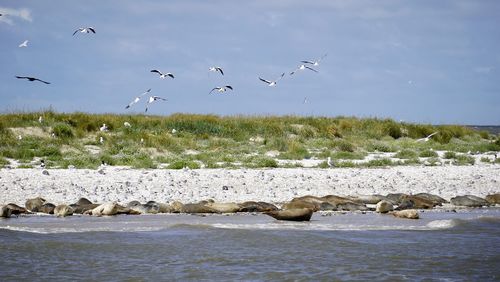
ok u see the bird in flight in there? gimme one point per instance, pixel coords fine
(85, 30)
(32, 79)
(425, 139)
(302, 67)
(221, 89)
(154, 99)
(272, 83)
(137, 99)
(314, 62)
(24, 44)
(216, 69)
(163, 75)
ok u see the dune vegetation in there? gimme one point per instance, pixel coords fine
(208, 141)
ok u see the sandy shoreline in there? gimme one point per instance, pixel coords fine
(224, 185)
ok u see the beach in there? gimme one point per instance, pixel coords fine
(122, 185)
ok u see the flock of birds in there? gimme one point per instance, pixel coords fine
(305, 65)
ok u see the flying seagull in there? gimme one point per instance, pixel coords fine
(315, 62)
(216, 69)
(137, 99)
(153, 99)
(425, 139)
(163, 75)
(272, 83)
(24, 44)
(222, 89)
(32, 79)
(85, 30)
(302, 67)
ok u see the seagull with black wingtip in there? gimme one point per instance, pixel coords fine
(216, 69)
(221, 89)
(272, 83)
(163, 75)
(154, 99)
(85, 30)
(314, 62)
(137, 99)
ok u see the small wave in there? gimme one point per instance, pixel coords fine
(444, 223)
(316, 227)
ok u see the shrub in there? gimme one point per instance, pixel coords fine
(180, 164)
(464, 160)
(450, 155)
(381, 147)
(379, 162)
(406, 154)
(428, 154)
(344, 146)
(63, 130)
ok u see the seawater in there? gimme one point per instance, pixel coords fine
(441, 246)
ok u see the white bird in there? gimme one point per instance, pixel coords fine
(163, 75)
(302, 67)
(216, 69)
(314, 62)
(42, 163)
(272, 83)
(153, 99)
(40, 119)
(221, 89)
(305, 100)
(19, 137)
(101, 140)
(174, 131)
(329, 162)
(103, 127)
(127, 124)
(24, 44)
(142, 140)
(425, 139)
(137, 99)
(85, 30)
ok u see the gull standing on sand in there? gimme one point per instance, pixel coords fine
(154, 99)
(272, 83)
(24, 44)
(32, 79)
(425, 139)
(137, 99)
(329, 162)
(216, 69)
(40, 119)
(163, 75)
(303, 67)
(85, 30)
(221, 89)
(314, 62)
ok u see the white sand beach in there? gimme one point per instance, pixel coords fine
(226, 185)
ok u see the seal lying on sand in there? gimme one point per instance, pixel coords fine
(292, 214)
(493, 198)
(410, 214)
(252, 206)
(63, 210)
(469, 201)
(5, 212)
(15, 209)
(47, 208)
(34, 204)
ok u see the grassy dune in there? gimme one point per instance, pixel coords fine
(236, 141)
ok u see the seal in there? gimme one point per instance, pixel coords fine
(469, 201)
(300, 204)
(493, 199)
(5, 212)
(367, 199)
(384, 207)
(292, 214)
(47, 208)
(438, 201)
(251, 206)
(410, 214)
(34, 204)
(63, 211)
(224, 207)
(105, 209)
(414, 202)
(15, 209)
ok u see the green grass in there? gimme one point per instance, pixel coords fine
(223, 141)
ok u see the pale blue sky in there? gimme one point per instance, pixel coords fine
(419, 61)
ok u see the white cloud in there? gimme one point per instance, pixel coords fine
(8, 14)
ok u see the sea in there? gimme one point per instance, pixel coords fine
(461, 245)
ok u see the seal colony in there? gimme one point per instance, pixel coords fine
(298, 209)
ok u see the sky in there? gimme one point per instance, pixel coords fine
(416, 61)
